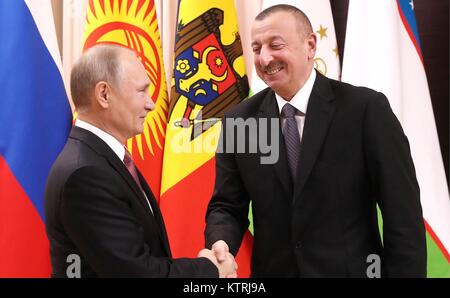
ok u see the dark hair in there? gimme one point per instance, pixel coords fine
(304, 25)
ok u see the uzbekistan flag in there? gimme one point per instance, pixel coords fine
(35, 119)
(382, 52)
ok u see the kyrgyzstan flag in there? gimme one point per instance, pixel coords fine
(134, 24)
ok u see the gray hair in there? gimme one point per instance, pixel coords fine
(304, 25)
(99, 63)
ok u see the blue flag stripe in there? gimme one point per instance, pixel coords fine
(407, 8)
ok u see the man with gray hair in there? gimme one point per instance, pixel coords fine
(100, 213)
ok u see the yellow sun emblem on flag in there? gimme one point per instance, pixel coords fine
(219, 61)
(133, 24)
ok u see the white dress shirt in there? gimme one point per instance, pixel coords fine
(111, 141)
(300, 102)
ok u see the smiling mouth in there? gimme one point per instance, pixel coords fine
(273, 71)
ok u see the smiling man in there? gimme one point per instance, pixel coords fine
(99, 209)
(284, 47)
(343, 151)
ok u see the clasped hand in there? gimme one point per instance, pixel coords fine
(222, 258)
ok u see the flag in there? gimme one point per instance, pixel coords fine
(382, 52)
(208, 78)
(134, 25)
(35, 120)
(319, 13)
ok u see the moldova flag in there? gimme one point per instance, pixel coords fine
(35, 119)
(209, 78)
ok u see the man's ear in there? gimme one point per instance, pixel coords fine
(312, 42)
(102, 92)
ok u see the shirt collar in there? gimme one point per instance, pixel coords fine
(111, 141)
(301, 98)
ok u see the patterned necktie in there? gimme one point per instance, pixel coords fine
(291, 138)
(128, 161)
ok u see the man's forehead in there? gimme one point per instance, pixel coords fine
(268, 32)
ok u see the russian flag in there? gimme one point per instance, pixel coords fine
(35, 119)
(382, 52)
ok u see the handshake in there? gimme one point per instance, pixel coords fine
(222, 258)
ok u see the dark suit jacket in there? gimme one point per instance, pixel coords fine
(353, 155)
(95, 209)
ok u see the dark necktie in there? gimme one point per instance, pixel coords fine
(129, 163)
(291, 137)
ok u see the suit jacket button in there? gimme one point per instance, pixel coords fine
(298, 245)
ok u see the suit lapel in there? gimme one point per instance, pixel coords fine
(118, 165)
(156, 213)
(103, 149)
(269, 109)
(321, 107)
(157, 217)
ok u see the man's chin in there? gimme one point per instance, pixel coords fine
(139, 130)
(274, 85)
(272, 79)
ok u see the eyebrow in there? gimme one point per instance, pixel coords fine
(146, 85)
(271, 39)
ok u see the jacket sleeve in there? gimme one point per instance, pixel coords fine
(394, 185)
(102, 225)
(227, 213)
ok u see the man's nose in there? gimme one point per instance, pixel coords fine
(265, 56)
(149, 104)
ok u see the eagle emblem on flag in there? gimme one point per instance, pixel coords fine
(204, 73)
